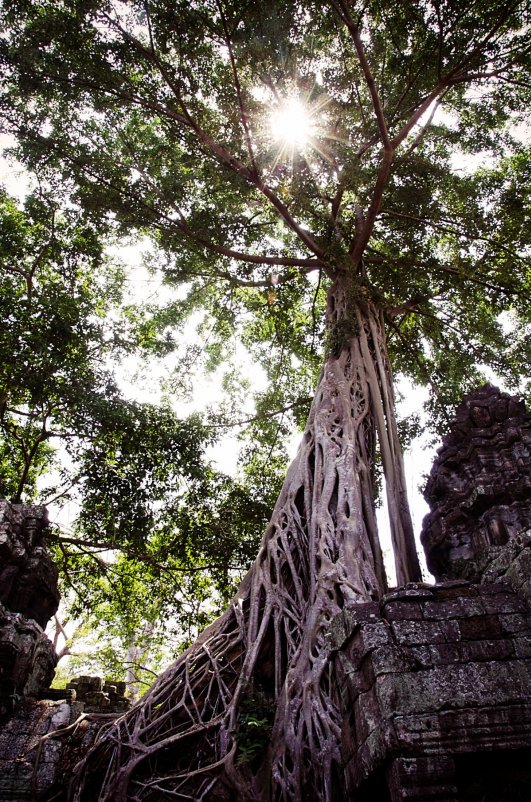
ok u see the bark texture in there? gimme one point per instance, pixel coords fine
(248, 712)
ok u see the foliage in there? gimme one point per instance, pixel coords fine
(158, 114)
(158, 535)
(53, 339)
(256, 724)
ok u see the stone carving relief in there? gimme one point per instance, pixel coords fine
(28, 599)
(479, 488)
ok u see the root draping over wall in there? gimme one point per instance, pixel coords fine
(262, 670)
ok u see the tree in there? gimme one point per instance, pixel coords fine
(136, 471)
(52, 321)
(157, 112)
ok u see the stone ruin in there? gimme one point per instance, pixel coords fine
(98, 696)
(30, 712)
(434, 680)
(28, 599)
(479, 489)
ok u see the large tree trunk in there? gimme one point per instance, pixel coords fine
(248, 712)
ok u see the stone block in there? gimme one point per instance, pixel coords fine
(466, 729)
(460, 606)
(443, 654)
(454, 589)
(349, 620)
(442, 610)
(516, 623)
(412, 592)
(390, 660)
(367, 638)
(494, 588)
(367, 715)
(454, 686)
(421, 779)
(481, 650)
(504, 603)
(402, 611)
(480, 627)
(421, 657)
(522, 646)
(413, 633)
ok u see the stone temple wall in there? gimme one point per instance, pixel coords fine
(429, 679)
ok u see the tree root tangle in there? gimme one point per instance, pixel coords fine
(186, 739)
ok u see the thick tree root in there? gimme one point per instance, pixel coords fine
(267, 658)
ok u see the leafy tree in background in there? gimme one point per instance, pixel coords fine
(367, 245)
(52, 336)
(129, 467)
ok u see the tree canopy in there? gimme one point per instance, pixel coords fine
(143, 488)
(388, 235)
(159, 115)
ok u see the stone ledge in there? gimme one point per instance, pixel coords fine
(454, 677)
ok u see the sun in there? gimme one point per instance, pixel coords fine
(292, 125)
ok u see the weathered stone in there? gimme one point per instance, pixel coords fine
(420, 779)
(347, 622)
(504, 603)
(399, 610)
(368, 637)
(28, 598)
(412, 592)
(27, 659)
(451, 684)
(391, 660)
(33, 751)
(99, 696)
(28, 577)
(480, 626)
(479, 489)
(515, 623)
(412, 633)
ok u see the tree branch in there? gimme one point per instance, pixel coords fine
(453, 229)
(418, 138)
(360, 243)
(86, 547)
(219, 151)
(469, 58)
(299, 403)
(353, 28)
(237, 85)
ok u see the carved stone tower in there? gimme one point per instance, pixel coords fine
(479, 489)
(28, 599)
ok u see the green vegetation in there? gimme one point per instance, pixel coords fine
(159, 538)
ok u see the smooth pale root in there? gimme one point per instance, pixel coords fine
(292, 124)
(320, 554)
